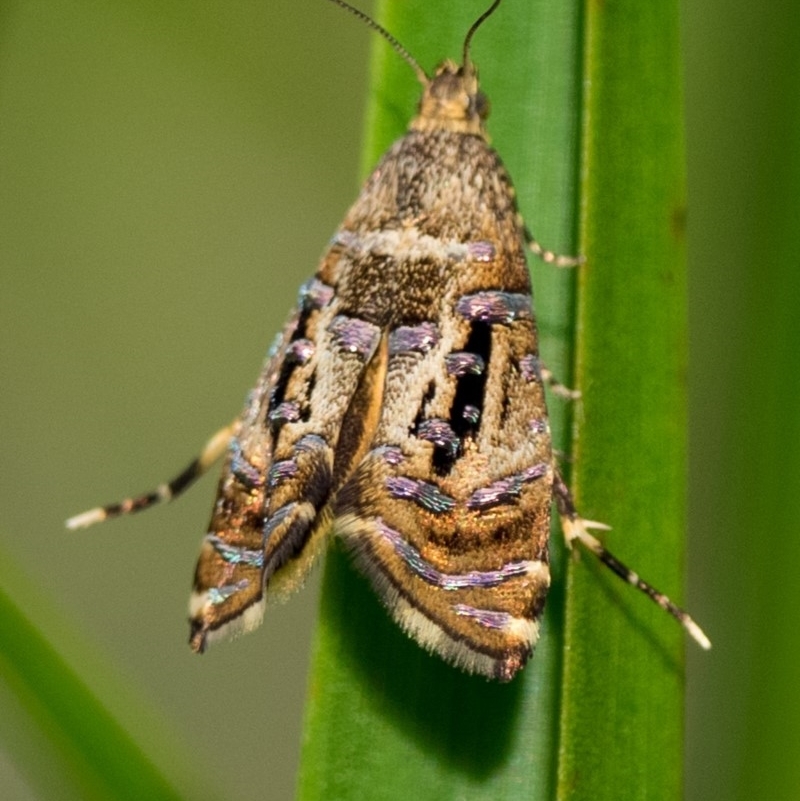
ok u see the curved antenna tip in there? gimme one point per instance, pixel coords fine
(395, 44)
(474, 27)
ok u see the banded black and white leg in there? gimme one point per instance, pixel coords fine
(550, 256)
(213, 450)
(555, 386)
(556, 259)
(576, 528)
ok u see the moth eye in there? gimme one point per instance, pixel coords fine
(480, 105)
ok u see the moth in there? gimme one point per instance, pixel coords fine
(402, 410)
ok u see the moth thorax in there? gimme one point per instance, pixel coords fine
(452, 101)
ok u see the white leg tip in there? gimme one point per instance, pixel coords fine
(86, 519)
(697, 634)
(577, 528)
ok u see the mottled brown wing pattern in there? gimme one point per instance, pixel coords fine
(406, 404)
(452, 529)
(269, 520)
(448, 511)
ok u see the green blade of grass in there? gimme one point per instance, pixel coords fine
(622, 700)
(90, 753)
(386, 720)
(598, 713)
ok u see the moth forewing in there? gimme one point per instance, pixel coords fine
(228, 590)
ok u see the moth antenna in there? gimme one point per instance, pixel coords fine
(396, 46)
(471, 32)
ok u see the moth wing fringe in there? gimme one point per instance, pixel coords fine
(354, 533)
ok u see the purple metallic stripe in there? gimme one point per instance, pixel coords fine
(506, 490)
(390, 454)
(471, 413)
(461, 362)
(354, 335)
(278, 518)
(300, 351)
(530, 368)
(218, 595)
(439, 433)
(314, 294)
(310, 442)
(234, 555)
(281, 470)
(344, 238)
(418, 338)
(448, 581)
(286, 412)
(538, 426)
(246, 472)
(481, 250)
(426, 495)
(489, 618)
(535, 471)
(494, 306)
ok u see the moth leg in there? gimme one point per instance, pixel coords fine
(576, 528)
(548, 256)
(213, 450)
(555, 386)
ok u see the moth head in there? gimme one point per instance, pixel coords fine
(452, 101)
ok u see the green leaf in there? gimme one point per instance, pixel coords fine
(598, 712)
(59, 732)
(622, 701)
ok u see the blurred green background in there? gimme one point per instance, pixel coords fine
(169, 174)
